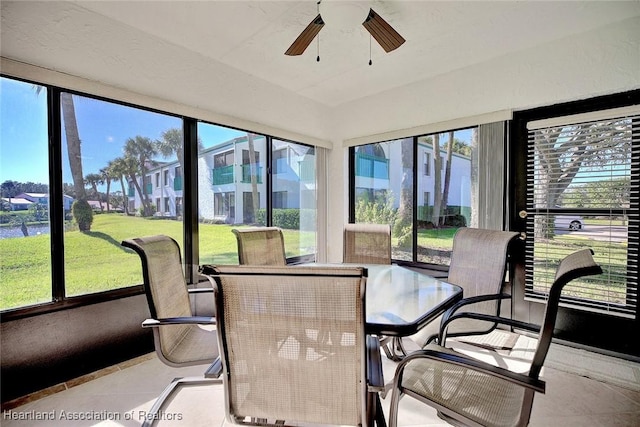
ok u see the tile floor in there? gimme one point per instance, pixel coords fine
(121, 397)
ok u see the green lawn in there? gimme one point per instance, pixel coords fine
(95, 261)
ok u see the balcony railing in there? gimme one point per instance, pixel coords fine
(307, 170)
(246, 173)
(222, 175)
(371, 166)
(148, 189)
(177, 183)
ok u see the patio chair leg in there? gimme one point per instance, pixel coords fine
(152, 416)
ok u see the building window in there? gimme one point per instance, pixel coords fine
(279, 199)
(165, 177)
(157, 179)
(426, 164)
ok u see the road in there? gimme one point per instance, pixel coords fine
(614, 233)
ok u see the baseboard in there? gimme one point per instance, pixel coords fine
(612, 370)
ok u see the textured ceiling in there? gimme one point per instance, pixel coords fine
(252, 36)
(226, 58)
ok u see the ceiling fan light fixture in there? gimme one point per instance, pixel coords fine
(342, 16)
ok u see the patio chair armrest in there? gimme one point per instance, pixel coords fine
(375, 377)
(192, 320)
(451, 314)
(531, 327)
(200, 290)
(472, 300)
(440, 354)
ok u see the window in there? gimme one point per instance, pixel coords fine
(234, 196)
(25, 238)
(584, 174)
(118, 142)
(87, 197)
(279, 161)
(447, 192)
(457, 181)
(385, 198)
(279, 199)
(427, 164)
(294, 196)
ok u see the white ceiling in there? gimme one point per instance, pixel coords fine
(442, 36)
(222, 56)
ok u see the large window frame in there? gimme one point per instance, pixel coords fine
(59, 299)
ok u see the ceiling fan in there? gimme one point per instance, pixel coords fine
(379, 29)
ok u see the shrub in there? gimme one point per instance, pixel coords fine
(83, 214)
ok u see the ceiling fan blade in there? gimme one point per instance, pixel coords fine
(306, 37)
(384, 34)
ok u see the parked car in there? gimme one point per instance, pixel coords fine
(571, 222)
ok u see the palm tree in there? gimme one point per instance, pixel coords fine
(74, 152)
(119, 169)
(171, 143)
(94, 179)
(74, 149)
(108, 174)
(141, 149)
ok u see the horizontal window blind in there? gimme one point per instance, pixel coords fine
(583, 184)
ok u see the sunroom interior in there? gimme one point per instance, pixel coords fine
(497, 72)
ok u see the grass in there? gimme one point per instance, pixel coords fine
(95, 261)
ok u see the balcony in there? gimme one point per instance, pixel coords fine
(177, 183)
(222, 175)
(246, 173)
(368, 166)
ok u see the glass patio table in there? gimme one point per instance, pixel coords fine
(401, 301)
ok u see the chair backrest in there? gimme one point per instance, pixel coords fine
(367, 243)
(260, 246)
(573, 266)
(164, 285)
(293, 342)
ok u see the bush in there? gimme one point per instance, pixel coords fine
(83, 214)
(289, 219)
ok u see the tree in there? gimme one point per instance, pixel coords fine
(119, 169)
(108, 175)
(562, 152)
(10, 188)
(74, 149)
(403, 226)
(254, 177)
(437, 181)
(139, 152)
(172, 142)
(447, 175)
(94, 179)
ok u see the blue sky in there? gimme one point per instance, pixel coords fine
(103, 127)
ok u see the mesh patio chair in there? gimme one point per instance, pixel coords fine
(467, 391)
(367, 244)
(294, 347)
(478, 265)
(180, 338)
(260, 246)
